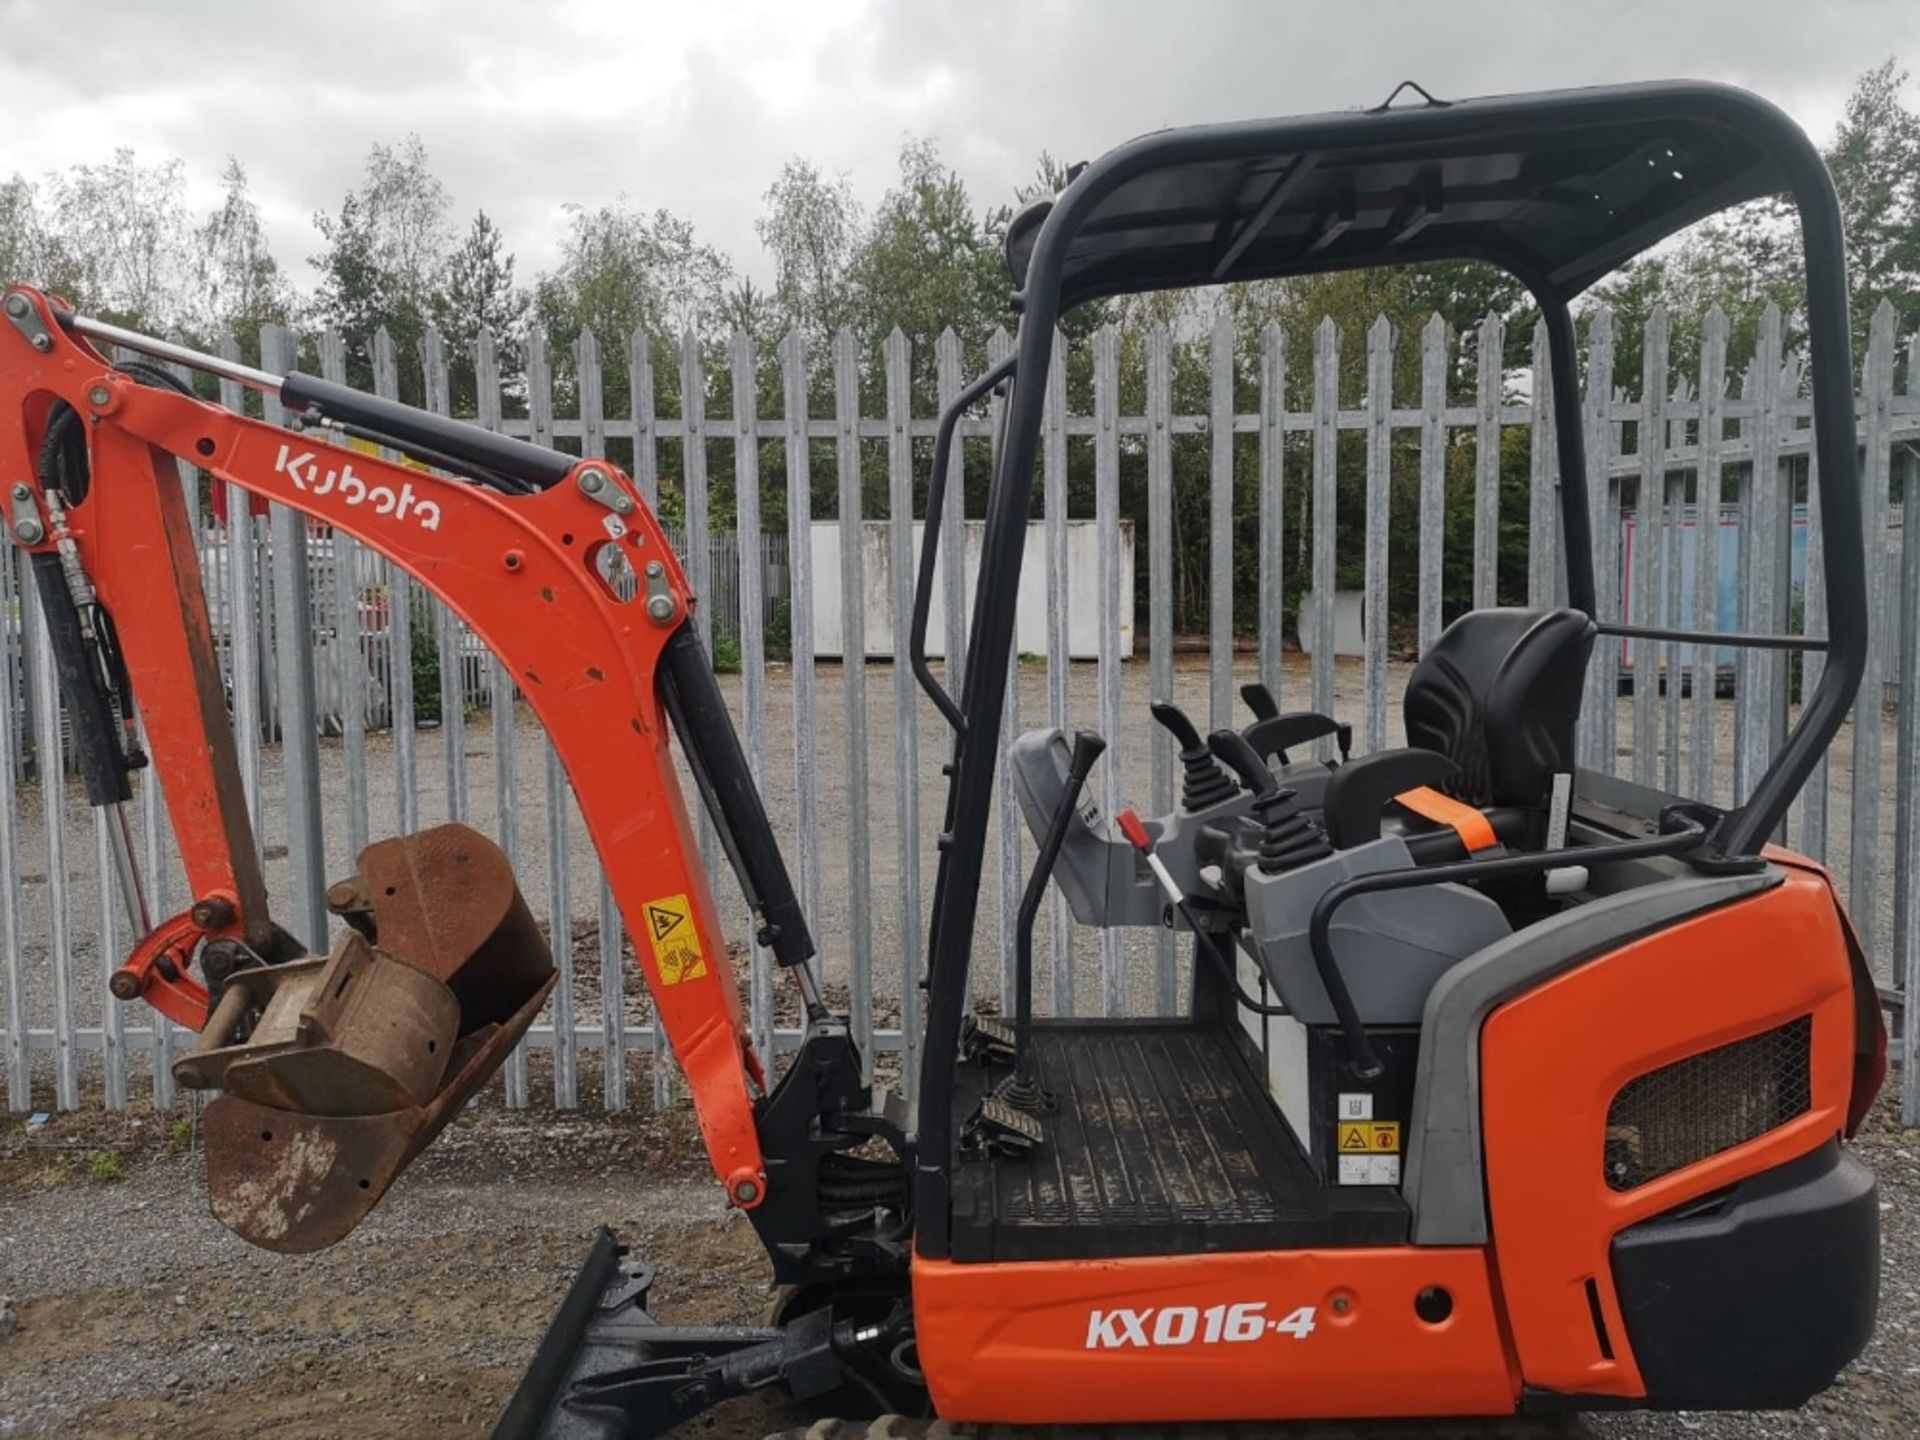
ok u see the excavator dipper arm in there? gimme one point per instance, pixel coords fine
(573, 586)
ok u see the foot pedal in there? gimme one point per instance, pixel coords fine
(996, 1128)
(985, 1040)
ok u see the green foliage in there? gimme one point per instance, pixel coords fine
(809, 227)
(241, 287)
(384, 260)
(180, 1135)
(780, 630)
(480, 298)
(1750, 258)
(425, 655)
(120, 238)
(624, 272)
(927, 263)
(1875, 160)
(105, 1167)
(726, 653)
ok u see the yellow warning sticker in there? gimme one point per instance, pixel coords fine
(676, 943)
(1376, 1137)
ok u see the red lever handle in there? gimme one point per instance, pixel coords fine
(1136, 833)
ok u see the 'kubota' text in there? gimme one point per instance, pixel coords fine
(306, 473)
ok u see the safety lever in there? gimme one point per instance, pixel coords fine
(1023, 1090)
(1204, 940)
(1003, 1123)
(1271, 733)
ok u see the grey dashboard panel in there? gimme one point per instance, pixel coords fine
(1104, 880)
(1391, 946)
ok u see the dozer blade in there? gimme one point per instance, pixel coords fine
(339, 1071)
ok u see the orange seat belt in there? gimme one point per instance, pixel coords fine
(1473, 828)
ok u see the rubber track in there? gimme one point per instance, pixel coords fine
(901, 1427)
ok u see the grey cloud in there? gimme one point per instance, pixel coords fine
(525, 108)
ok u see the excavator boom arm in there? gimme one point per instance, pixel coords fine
(574, 587)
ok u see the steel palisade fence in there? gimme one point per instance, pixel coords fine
(348, 673)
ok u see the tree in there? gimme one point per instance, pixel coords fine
(691, 278)
(480, 297)
(749, 309)
(239, 284)
(385, 258)
(621, 270)
(30, 252)
(1875, 162)
(123, 240)
(927, 263)
(624, 272)
(811, 226)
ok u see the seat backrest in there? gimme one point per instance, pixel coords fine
(1499, 694)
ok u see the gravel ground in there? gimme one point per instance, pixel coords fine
(139, 1316)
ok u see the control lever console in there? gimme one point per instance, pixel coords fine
(1105, 881)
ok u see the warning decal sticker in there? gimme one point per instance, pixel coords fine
(1377, 1137)
(676, 944)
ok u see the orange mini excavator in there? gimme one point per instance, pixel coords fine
(1502, 1086)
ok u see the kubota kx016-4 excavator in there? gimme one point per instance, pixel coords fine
(1502, 1085)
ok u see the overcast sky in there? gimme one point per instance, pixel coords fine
(525, 107)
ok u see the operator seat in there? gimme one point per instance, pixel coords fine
(1490, 712)
(1498, 696)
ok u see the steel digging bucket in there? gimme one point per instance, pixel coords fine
(337, 1071)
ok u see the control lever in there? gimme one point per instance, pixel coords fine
(1260, 700)
(1022, 1090)
(1288, 838)
(1236, 752)
(1202, 783)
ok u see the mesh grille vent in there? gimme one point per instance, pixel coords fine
(1681, 1113)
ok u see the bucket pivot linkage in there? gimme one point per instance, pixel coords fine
(338, 1070)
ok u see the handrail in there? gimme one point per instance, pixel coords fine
(1732, 639)
(1364, 1059)
(930, 543)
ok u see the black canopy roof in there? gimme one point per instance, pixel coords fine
(1560, 189)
